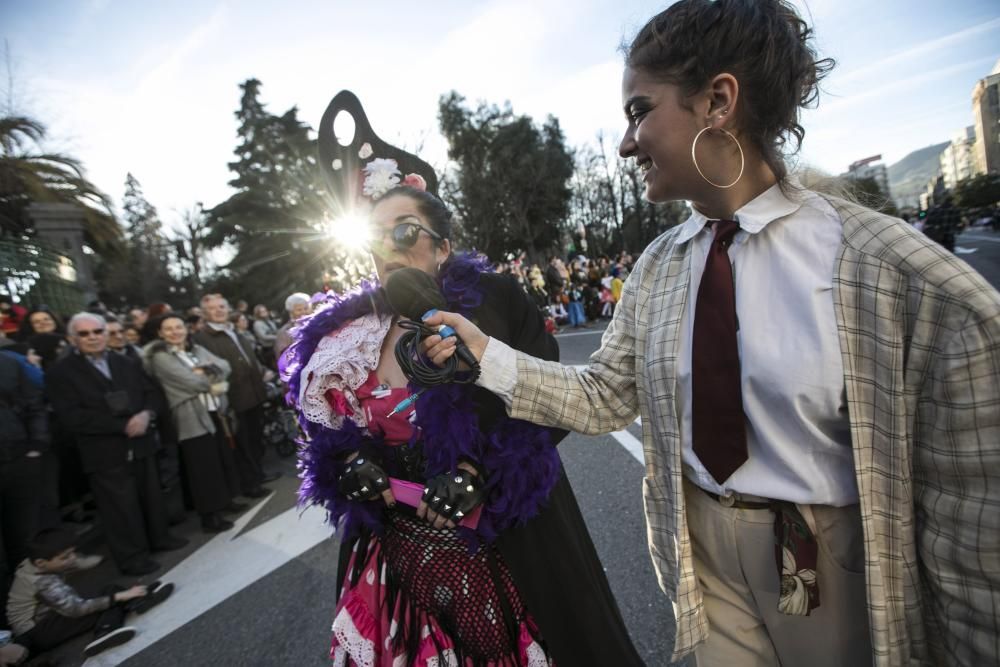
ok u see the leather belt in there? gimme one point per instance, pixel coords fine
(735, 501)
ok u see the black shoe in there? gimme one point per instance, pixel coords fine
(140, 568)
(236, 507)
(214, 523)
(157, 594)
(259, 492)
(170, 543)
(270, 477)
(110, 640)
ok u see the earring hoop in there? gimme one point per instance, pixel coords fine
(694, 159)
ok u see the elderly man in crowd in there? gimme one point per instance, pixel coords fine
(107, 402)
(298, 305)
(246, 391)
(117, 342)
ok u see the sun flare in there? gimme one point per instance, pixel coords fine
(350, 231)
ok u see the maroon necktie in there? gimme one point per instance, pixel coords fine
(718, 425)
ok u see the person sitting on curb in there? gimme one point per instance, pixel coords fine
(44, 611)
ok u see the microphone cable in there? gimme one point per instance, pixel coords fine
(423, 371)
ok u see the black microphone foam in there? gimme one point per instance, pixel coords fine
(412, 292)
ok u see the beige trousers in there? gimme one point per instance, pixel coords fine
(734, 563)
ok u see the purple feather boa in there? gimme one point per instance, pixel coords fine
(522, 464)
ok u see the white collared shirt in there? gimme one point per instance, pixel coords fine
(798, 433)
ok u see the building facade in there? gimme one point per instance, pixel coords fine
(958, 161)
(986, 112)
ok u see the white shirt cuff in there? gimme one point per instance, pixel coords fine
(498, 370)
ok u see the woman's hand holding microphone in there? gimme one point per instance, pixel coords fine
(438, 349)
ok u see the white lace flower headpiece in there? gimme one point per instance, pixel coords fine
(382, 175)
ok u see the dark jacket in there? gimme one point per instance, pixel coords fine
(246, 382)
(24, 422)
(83, 400)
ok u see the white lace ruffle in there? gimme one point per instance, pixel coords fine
(360, 650)
(536, 656)
(342, 360)
(448, 656)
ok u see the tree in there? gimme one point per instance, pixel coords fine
(276, 220)
(609, 203)
(190, 244)
(28, 174)
(511, 186)
(142, 275)
(978, 191)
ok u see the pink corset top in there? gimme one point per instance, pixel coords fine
(377, 400)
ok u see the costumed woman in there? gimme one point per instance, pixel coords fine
(525, 585)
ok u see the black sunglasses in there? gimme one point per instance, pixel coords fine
(87, 334)
(405, 235)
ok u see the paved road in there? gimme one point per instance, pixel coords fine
(980, 247)
(262, 594)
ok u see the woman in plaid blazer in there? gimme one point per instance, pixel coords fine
(711, 93)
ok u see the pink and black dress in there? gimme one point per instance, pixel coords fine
(525, 587)
(417, 595)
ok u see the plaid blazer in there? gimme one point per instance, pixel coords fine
(920, 341)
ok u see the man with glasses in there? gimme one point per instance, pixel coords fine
(118, 343)
(108, 403)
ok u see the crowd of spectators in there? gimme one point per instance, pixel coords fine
(115, 426)
(575, 292)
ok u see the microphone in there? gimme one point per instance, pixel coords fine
(415, 295)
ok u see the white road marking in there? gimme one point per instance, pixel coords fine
(631, 444)
(579, 333)
(959, 250)
(219, 570)
(979, 236)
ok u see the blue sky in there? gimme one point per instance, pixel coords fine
(151, 87)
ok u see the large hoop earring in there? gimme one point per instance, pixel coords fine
(694, 159)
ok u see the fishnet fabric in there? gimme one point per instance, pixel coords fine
(472, 595)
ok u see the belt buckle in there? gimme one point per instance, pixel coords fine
(727, 500)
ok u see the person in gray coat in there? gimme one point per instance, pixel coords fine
(194, 381)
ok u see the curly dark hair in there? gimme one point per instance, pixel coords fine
(765, 44)
(437, 214)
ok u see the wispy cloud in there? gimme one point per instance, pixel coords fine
(172, 64)
(927, 48)
(918, 81)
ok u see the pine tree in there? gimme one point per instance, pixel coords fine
(142, 276)
(276, 220)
